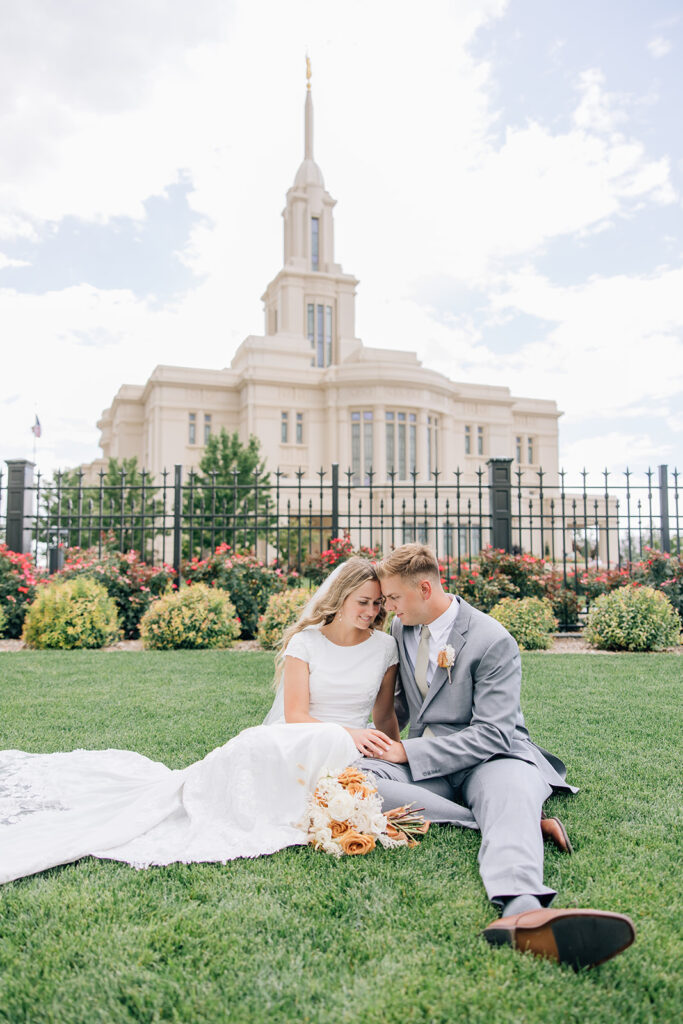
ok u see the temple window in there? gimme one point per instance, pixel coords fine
(319, 332)
(315, 243)
(362, 441)
(432, 444)
(401, 442)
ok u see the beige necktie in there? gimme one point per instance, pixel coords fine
(422, 661)
(421, 667)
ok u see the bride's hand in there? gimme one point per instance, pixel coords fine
(370, 742)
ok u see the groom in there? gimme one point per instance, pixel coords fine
(469, 756)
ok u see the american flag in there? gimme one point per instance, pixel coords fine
(36, 428)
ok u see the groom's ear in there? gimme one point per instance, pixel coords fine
(425, 588)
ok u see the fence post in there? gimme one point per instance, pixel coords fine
(500, 503)
(19, 504)
(177, 520)
(335, 499)
(664, 507)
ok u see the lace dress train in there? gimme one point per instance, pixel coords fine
(244, 799)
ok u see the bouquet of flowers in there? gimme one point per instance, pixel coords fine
(345, 816)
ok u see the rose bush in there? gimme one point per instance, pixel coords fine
(496, 574)
(18, 580)
(318, 567)
(245, 578)
(664, 572)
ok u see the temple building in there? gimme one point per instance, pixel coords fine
(314, 393)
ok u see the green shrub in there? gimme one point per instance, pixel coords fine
(530, 620)
(71, 613)
(283, 609)
(18, 579)
(3, 621)
(246, 579)
(196, 616)
(633, 618)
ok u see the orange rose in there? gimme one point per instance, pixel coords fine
(353, 787)
(363, 788)
(442, 660)
(353, 842)
(351, 776)
(338, 828)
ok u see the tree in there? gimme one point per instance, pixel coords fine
(124, 503)
(228, 499)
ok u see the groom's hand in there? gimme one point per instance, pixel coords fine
(396, 753)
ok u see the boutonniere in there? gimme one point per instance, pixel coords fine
(446, 659)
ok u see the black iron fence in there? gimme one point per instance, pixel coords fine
(607, 522)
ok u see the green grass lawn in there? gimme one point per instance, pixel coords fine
(391, 937)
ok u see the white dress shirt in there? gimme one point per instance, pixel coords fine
(439, 632)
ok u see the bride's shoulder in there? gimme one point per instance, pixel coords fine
(302, 643)
(385, 639)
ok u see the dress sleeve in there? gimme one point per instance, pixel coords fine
(299, 647)
(391, 657)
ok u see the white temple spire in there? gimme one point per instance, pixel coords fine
(308, 129)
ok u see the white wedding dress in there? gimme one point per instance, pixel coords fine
(244, 799)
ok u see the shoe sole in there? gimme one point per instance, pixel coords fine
(579, 941)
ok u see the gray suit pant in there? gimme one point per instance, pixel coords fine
(502, 797)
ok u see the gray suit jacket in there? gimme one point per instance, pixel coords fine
(475, 717)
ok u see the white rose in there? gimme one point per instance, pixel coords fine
(340, 806)
(319, 818)
(322, 835)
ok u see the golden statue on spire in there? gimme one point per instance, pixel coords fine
(308, 72)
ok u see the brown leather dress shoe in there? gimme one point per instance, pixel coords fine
(580, 938)
(554, 832)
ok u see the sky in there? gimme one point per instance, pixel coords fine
(508, 177)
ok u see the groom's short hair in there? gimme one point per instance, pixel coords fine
(412, 561)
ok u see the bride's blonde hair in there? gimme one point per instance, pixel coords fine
(351, 576)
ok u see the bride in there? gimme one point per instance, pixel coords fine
(335, 669)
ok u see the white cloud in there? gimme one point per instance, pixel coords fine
(5, 261)
(658, 46)
(597, 110)
(617, 341)
(95, 104)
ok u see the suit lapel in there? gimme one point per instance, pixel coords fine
(456, 639)
(407, 670)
